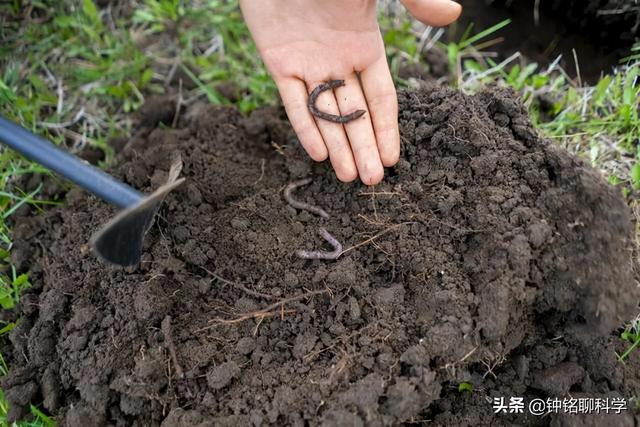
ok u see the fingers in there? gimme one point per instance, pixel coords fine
(382, 100)
(294, 97)
(335, 137)
(433, 12)
(360, 147)
(360, 132)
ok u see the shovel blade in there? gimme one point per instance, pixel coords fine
(119, 242)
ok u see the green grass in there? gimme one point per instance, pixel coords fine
(634, 55)
(631, 337)
(210, 58)
(73, 74)
(599, 123)
(465, 388)
(40, 419)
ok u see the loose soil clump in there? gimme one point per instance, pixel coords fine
(487, 256)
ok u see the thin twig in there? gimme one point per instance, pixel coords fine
(262, 165)
(179, 100)
(370, 239)
(168, 338)
(60, 104)
(274, 309)
(79, 115)
(575, 59)
(379, 193)
(238, 285)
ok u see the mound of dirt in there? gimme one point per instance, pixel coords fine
(487, 256)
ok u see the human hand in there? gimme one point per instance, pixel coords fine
(304, 43)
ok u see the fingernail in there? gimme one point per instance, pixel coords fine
(373, 174)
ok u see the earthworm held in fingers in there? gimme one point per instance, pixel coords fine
(334, 254)
(313, 97)
(301, 205)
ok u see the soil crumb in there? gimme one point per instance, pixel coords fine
(488, 256)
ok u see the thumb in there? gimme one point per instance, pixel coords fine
(433, 12)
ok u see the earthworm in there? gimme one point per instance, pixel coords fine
(301, 205)
(337, 248)
(331, 84)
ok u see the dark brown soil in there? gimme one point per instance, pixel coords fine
(487, 256)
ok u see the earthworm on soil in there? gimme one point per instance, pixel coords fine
(301, 205)
(313, 97)
(337, 248)
(168, 337)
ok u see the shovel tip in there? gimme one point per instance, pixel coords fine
(119, 242)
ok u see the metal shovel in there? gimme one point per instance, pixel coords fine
(120, 240)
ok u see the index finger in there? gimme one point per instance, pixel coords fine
(294, 98)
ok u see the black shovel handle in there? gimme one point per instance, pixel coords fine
(67, 165)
